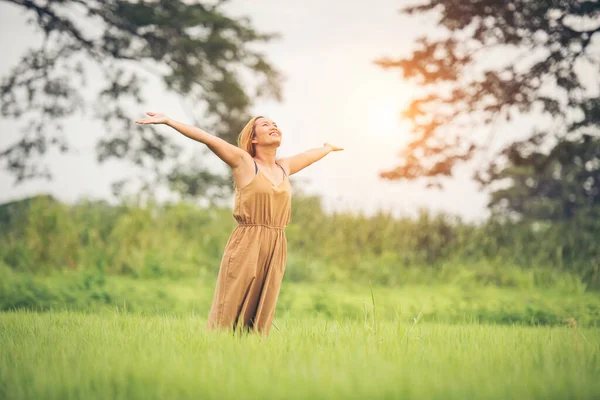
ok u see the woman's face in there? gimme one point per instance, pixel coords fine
(267, 133)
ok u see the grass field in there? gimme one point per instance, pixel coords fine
(448, 303)
(115, 337)
(115, 355)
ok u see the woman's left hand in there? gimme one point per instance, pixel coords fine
(332, 147)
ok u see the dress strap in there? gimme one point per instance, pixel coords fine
(282, 169)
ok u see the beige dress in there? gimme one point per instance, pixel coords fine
(254, 260)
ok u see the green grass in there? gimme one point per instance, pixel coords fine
(449, 303)
(112, 355)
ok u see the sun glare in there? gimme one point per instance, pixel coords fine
(384, 117)
(376, 108)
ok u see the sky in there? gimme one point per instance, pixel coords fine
(332, 92)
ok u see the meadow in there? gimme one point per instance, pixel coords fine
(68, 355)
(100, 301)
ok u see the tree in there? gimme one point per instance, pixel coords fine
(545, 46)
(554, 186)
(197, 51)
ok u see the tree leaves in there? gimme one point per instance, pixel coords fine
(197, 50)
(545, 43)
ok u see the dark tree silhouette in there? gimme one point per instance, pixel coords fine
(544, 47)
(550, 186)
(197, 50)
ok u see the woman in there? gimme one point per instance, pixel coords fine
(254, 260)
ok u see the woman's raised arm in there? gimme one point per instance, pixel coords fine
(230, 154)
(300, 161)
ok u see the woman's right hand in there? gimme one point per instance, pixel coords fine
(153, 118)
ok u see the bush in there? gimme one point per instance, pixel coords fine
(182, 240)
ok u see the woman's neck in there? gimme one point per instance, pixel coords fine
(266, 156)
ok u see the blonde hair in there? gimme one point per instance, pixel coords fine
(246, 136)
